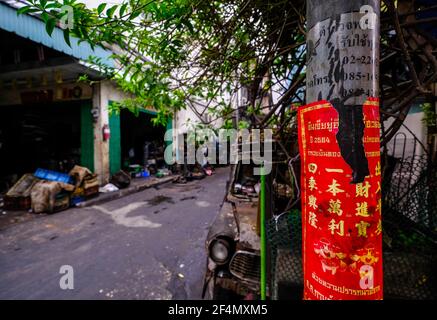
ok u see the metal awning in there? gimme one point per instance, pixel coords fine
(32, 28)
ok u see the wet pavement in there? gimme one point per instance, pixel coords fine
(149, 245)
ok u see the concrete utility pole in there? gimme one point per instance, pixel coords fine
(339, 132)
(343, 68)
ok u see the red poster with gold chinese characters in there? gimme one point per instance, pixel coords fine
(342, 241)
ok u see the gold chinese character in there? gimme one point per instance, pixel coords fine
(378, 228)
(312, 219)
(379, 187)
(312, 201)
(362, 190)
(312, 183)
(361, 209)
(378, 169)
(334, 207)
(333, 227)
(312, 167)
(334, 188)
(362, 228)
(334, 170)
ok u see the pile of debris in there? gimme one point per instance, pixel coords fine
(50, 191)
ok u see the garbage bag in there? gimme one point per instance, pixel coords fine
(108, 188)
(121, 179)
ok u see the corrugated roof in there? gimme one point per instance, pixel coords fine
(32, 28)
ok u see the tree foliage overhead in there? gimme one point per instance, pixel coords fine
(179, 53)
(175, 54)
(408, 58)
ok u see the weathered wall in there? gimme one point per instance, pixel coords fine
(103, 93)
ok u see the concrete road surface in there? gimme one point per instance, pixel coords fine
(149, 245)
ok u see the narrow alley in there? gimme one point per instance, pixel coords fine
(149, 245)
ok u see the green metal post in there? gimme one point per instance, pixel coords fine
(263, 234)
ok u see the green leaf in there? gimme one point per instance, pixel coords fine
(50, 25)
(84, 32)
(52, 5)
(188, 24)
(123, 9)
(110, 11)
(27, 9)
(44, 17)
(100, 8)
(135, 14)
(67, 37)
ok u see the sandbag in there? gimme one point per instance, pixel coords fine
(43, 195)
(79, 173)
